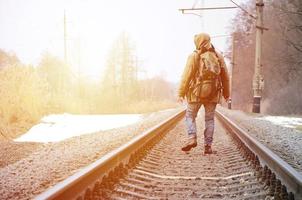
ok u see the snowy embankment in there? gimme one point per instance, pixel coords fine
(279, 133)
(55, 128)
(26, 174)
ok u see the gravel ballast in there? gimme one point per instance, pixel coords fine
(27, 169)
(30, 172)
(12, 152)
(286, 142)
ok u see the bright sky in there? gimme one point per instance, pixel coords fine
(163, 37)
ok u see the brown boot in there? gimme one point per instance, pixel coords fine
(208, 149)
(191, 143)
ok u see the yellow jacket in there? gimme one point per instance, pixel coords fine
(202, 43)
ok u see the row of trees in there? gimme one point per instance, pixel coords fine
(121, 84)
(30, 92)
(282, 57)
(120, 80)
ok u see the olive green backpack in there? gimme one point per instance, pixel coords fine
(207, 75)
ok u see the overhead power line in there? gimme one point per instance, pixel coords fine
(207, 8)
(244, 10)
(195, 3)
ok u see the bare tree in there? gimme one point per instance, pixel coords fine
(282, 53)
(120, 75)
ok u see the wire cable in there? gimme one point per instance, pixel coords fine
(244, 10)
(195, 3)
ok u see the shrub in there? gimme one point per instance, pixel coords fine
(23, 97)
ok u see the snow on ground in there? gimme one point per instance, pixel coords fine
(289, 122)
(55, 128)
(23, 176)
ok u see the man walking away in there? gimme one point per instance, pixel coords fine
(205, 79)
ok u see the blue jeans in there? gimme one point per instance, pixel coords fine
(191, 113)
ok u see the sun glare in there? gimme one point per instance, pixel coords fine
(92, 34)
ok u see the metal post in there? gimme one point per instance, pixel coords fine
(65, 37)
(232, 70)
(258, 79)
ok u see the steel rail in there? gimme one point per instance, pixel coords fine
(287, 174)
(75, 185)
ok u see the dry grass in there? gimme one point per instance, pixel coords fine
(135, 106)
(22, 99)
(27, 95)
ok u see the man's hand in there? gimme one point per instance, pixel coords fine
(180, 100)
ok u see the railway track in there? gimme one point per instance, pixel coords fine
(152, 166)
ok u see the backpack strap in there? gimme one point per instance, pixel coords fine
(195, 67)
(221, 68)
(196, 62)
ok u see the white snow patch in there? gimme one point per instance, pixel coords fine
(289, 122)
(54, 128)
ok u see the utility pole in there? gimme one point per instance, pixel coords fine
(65, 39)
(79, 56)
(232, 70)
(80, 89)
(258, 81)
